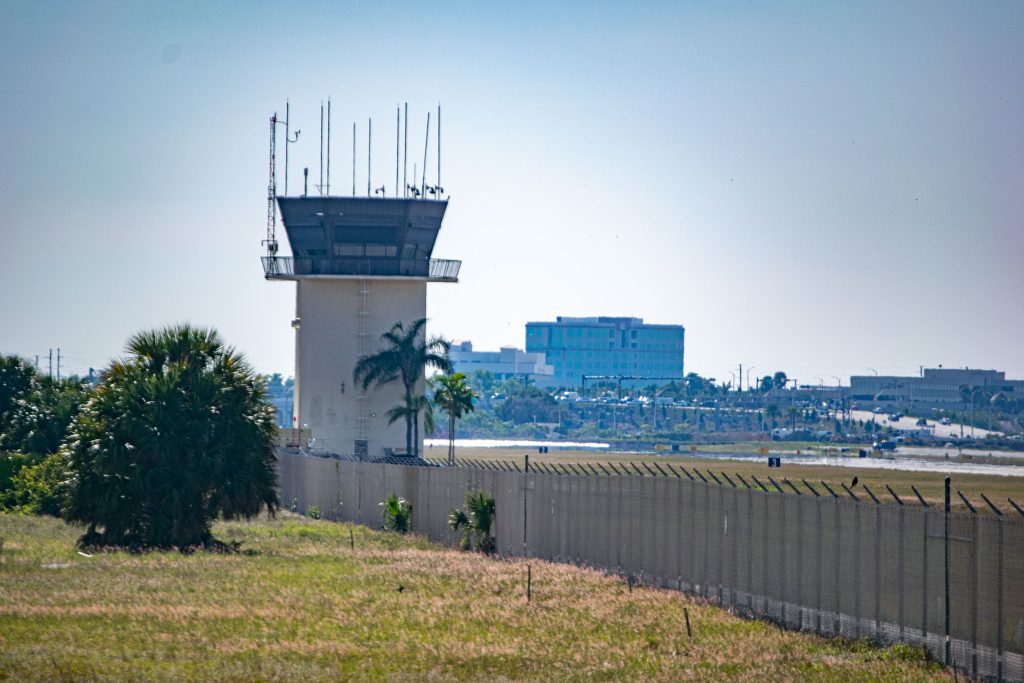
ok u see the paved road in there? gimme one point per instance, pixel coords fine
(941, 431)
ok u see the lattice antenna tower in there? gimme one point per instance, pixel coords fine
(271, 240)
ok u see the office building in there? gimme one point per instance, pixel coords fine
(608, 346)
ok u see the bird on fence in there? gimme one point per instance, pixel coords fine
(855, 480)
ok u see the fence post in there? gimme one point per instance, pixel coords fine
(817, 561)
(903, 567)
(526, 484)
(878, 566)
(945, 568)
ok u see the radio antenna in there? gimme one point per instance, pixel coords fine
(438, 150)
(287, 139)
(328, 147)
(369, 157)
(320, 187)
(405, 160)
(398, 142)
(353, 158)
(271, 240)
(426, 142)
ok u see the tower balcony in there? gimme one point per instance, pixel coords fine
(291, 268)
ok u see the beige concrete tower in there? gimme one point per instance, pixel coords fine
(360, 266)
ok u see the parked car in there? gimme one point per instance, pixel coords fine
(884, 445)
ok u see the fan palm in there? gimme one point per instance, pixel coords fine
(405, 355)
(476, 522)
(177, 433)
(454, 397)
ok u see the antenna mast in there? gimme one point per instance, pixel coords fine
(353, 158)
(438, 150)
(405, 160)
(398, 143)
(426, 143)
(271, 240)
(328, 147)
(320, 187)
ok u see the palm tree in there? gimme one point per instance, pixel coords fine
(177, 433)
(476, 522)
(454, 397)
(405, 356)
(410, 411)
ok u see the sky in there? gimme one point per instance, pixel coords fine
(821, 188)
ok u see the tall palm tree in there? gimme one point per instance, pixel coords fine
(455, 398)
(405, 355)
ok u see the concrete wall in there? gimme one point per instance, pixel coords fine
(335, 330)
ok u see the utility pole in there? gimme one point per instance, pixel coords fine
(741, 378)
(58, 364)
(51, 363)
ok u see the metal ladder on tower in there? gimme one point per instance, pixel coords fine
(362, 398)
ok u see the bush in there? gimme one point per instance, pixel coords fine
(475, 521)
(313, 512)
(40, 489)
(397, 514)
(10, 465)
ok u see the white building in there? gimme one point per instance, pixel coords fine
(506, 363)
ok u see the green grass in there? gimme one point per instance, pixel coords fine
(297, 604)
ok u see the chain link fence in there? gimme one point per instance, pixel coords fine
(952, 582)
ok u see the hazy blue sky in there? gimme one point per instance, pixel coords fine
(816, 187)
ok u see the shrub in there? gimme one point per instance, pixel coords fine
(313, 512)
(40, 489)
(397, 514)
(476, 522)
(10, 464)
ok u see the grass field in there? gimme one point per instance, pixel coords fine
(930, 484)
(297, 604)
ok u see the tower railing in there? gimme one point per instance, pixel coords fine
(288, 267)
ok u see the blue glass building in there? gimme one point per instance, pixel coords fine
(607, 346)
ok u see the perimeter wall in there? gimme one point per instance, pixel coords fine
(823, 564)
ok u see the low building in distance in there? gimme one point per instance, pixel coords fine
(506, 363)
(935, 387)
(608, 346)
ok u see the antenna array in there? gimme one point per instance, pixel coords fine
(415, 187)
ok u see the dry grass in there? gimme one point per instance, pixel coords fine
(930, 484)
(299, 605)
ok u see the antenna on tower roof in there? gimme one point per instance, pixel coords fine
(328, 193)
(426, 143)
(369, 156)
(405, 160)
(439, 190)
(320, 187)
(271, 240)
(353, 158)
(398, 143)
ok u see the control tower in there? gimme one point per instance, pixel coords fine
(360, 264)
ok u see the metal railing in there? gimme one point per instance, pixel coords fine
(288, 267)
